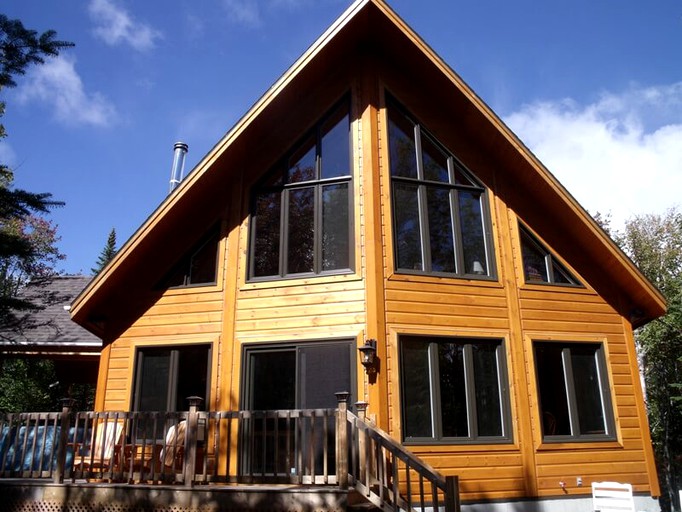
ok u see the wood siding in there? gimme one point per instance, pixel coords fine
(375, 301)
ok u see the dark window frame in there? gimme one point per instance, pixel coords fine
(275, 182)
(184, 267)
(456, 171)
(173, 372)
(576, 436)
(552, 264)
(435, 394)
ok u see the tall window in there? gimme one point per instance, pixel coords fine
(540, 265)
(454, 390)
(573, 391)
(439, 208)
(166, 376)
(301, 215)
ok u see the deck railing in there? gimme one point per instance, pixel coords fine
(301, 446)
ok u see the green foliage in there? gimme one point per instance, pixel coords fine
(32, 385)
(27, 241)
(107, 253)
(654, 243)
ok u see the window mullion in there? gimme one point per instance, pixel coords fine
(318, 223)
(434, 375)
(457, 232)
(172, 397)
(284, 234)
(550, 268)
(472, 417)
(570, 392)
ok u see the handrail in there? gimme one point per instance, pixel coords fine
(393, 478)
(298, 446)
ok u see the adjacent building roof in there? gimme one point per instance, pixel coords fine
(371, 26)
(49, 331)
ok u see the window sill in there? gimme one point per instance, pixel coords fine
(300, 281)
(445, 447)
(579, 445)
(486, 282)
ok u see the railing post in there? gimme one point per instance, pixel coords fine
(191, 441)
(67, 405)
(361, 408)
(452, 503)
(342, 439)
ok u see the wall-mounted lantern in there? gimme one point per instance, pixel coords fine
(368, 355)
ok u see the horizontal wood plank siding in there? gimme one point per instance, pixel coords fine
(189, 315)
(558, 313)
(305, 311)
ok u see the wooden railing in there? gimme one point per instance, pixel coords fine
(302, 446)
(390, 476)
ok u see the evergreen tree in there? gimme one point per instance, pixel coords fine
(107, 253)
(20, 48)
(654, 243)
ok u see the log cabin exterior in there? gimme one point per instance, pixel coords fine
(370, 194)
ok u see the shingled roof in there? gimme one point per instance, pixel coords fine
(49, 330)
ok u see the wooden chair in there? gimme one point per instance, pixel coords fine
(612, 497)
(173, 451)
(102, 452)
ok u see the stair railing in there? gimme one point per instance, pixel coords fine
(390, 476)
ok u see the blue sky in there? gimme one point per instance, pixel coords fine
(593, 87)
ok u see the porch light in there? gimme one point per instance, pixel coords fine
(368, 354)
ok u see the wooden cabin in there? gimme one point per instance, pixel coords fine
(369, 199)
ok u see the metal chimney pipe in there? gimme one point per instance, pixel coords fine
(178, 169)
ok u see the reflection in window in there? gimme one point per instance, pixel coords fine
(573, 391)
(301, 214)
(453, 390)
(166, 376)
(540, 265)
(439, 208)
(199, 267)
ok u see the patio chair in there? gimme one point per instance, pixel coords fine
(173, 451)
(102, 452)
(612, 497)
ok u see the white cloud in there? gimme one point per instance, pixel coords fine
(243, 12)
(621, 154)
(57, 84)
(114, 25)
(249, 12)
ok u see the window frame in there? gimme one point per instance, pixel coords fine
(424, 185)
(184, 265)
(278, 175)
(435, 392)
(173, 373)
(525, 235)
(607, 402)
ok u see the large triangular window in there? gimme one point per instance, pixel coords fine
(540, 265)
(302, 212)
(440, 215)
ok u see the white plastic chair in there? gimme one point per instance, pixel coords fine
(612, 497)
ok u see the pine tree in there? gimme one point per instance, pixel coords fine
(107, 253)
(19, 49)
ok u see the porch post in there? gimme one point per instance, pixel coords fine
(67, 405)
(342, 439)
(452, 503)
(191, 441)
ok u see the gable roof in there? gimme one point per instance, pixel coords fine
(49, 330)
(373, 26)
